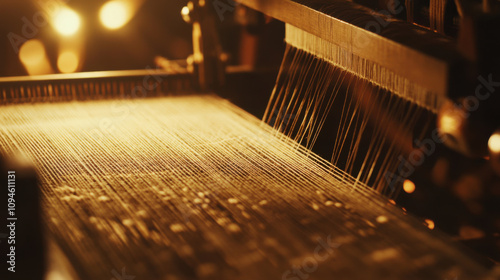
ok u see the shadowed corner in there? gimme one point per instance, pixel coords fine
(24, 245)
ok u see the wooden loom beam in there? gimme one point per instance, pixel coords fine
(426, 70)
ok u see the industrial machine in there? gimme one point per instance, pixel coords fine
(379, 132)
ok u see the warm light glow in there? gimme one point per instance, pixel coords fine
(115, 14)
(34, 58)
(32, 52)
(409, 186)
(449, 123)
(67, 62)
(494, 143)
(185, 14)
(430, 223)
(66, 21)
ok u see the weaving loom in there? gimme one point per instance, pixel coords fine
(154, 174)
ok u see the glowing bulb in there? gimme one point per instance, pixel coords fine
(494, 143)
(66, 21)
(67, 62)
(114, 14)
(409, 186)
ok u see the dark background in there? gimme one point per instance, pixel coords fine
(156, 29)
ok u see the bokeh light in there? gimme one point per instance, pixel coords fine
(66, 21)
(494, 143)
(34, 57)
(32, 52)
(430, 223)
(185, 14)
(67, 62)
(115, 14)
(408, 186)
